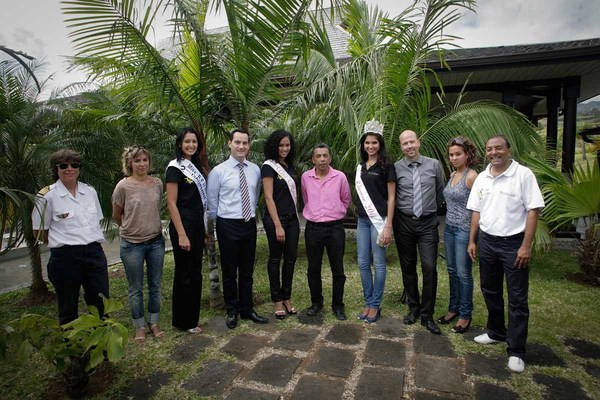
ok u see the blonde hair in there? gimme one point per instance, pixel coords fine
(131, 153)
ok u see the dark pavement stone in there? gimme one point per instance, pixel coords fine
(593, 370)
(472, 332)
(543, 356)
(213, 378)
(560, 388)
(583, 348)
(435, 345)
(385, 352)
(346, 334)
(216, 326)
(477, 364)
(275, 370)
(427, 396)
(441, 374)
(379, 383)
(312, 387)
(306, 320)
(189, 349)
(296, 339)
(390, 327)
(239, 393)
(332, 361)
(245, 347)
(486, 391)
(146, 387)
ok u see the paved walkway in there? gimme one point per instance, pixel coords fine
(386, 360)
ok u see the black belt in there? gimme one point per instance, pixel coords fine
(499, 238)
(253, 220)
(415, 218)
(328, 223)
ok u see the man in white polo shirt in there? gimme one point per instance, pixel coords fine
(506, 201)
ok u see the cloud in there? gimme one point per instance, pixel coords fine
(26, 40)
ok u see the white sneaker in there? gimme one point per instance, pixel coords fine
(485, 339)
(515, 364)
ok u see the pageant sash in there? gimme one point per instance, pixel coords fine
(365, 199)
(287, 178)
(190, 171)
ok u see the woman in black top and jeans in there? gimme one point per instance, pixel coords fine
(281, 219)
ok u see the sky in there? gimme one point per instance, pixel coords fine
(36, 27)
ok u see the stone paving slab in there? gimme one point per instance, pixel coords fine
(239, 393)
(385, 352)
(487, 391)
(583, 348)
(275, 370)
(146, 387)
(213, 378)
(350, 334)
(306, 320)
(190, 348)
(317, 388)
(543, 356)
(439, 373)
(216, 326)
(296, 339)
(245, 347)
(494, 367)
(377, 383)
(389, 327)
(556, 388)
(435, 345)
(332, 361)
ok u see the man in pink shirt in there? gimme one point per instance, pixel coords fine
(326, 195)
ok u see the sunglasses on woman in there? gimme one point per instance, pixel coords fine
(74, 165)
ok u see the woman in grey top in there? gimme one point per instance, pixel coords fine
(136, 209)
(462, 154)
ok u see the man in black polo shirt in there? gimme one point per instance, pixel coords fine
(419, 192)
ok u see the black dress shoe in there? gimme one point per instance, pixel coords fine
(442, 320)
(313, 310)
(431, 326)
(254, 317)
(411, 317)
(231, 321)
(339, 314)
(461, 329)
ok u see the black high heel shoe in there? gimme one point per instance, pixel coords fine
(375, 318)
(290, 311)
(460, 329)
(442, 320)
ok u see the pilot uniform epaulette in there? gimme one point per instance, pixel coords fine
(43, 191)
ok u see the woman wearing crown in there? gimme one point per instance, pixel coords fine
(376, 189)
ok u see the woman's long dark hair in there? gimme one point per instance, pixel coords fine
(271, 148)
(179, 141)
(382, 156)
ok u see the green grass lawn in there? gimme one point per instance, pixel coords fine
(559, 308)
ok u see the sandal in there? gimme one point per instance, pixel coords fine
(195, 331)
(156, 331)
(140, 335)
(292, 310)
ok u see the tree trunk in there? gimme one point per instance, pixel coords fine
(38, 291)
(216, 297)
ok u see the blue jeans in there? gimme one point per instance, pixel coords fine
(366, 243)
(460, 271)
(133, 256)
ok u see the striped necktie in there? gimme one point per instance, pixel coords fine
(246, 210)
(417, 195)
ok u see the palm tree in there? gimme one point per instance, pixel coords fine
(25, 127)
(388, 77)
(213, 81)
(574, 199)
